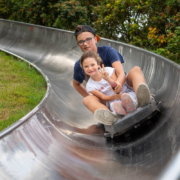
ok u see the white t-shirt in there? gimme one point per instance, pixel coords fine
(103, 86)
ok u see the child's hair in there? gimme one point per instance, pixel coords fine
(91, 54)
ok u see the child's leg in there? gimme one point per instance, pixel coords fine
(129, 101)
(117, 108)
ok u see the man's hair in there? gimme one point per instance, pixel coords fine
(90, 54)
(85, 28)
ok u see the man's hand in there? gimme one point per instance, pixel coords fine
(104, 73)
(118, 88)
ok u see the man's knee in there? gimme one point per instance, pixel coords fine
(134, 75)
(85, 100)
(135, 69)
(134, 72)
(90, 99)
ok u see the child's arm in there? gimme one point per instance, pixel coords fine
(105, 75)
(104, 97)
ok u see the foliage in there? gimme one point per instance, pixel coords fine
(90, 4)
(155, 39)
(172, 50)
(57, 13)
(150, 24)
(121, 20)
(71, 13)
(5, 8)
(35, 11)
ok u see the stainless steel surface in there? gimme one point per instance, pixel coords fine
(61, 139)
(173, 169)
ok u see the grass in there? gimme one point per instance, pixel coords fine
(21, 88)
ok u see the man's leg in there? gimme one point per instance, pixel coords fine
(136, 80)
(93, 103)
(135, 77)
(101, 112)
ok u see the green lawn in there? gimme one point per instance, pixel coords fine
(21, 88)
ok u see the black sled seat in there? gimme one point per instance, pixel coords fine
(132, 119)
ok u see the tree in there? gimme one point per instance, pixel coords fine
(150, 24)
(144, 23)
(54, 13)
(70, 14)
(5, 8)
(121, 20)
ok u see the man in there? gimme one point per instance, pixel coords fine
(86, 40)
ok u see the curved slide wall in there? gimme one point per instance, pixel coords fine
(60, 139)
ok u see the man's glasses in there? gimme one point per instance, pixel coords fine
(88, 40)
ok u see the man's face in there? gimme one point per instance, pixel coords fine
(89, 41)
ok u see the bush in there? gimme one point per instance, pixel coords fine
(172, 50)
(71, 13)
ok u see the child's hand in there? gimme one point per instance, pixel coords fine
(118, 96)
(104, 73)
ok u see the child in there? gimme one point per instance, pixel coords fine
(99, 83)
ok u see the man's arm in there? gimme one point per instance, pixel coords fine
(80, 88)
(121, 77)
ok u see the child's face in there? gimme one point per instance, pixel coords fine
(90, 66)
